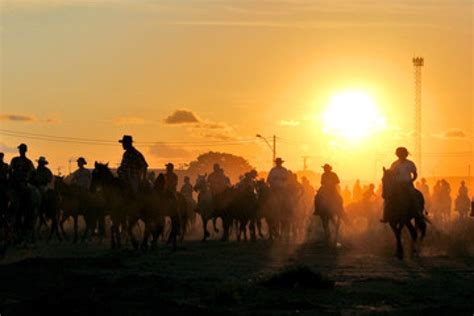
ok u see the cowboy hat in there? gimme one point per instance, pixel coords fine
(43, 160)
(81, 160)
(127, 139)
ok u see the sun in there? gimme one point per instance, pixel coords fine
(352, 116)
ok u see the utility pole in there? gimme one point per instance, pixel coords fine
(418, 62)
(272, 148)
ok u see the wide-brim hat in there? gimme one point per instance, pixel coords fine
(22, 146)
(42, 160)
(169, 164)
(279, 160)
(127, 139)
(326, 165)
(81, 160)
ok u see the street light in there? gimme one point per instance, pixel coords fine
(272, 148)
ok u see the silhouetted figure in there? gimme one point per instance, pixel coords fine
(425, 190)
(187, 188)
(356, 191)
(278, 176)
(462, 203)
(171, 179)
(3, 186)
(42, 176)
(405, 173)
(81, 177)
(21, 168)
(247, 183)
(132, 170)
(217, 180)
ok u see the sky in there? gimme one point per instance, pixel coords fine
(186, 76)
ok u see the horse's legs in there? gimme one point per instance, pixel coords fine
(413, 234)
(336, 233)
(75, 217)
(214, 224)
(132, 223)
(61, 226)
(113, 237)
(259, 227)
(397, 230)
(327, 232)
(204, 228)
(226, 222)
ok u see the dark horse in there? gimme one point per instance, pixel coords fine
(328, 205)
(400, 209)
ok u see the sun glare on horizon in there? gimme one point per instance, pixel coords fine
(352, 116)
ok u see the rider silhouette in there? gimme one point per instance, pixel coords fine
(278, 176)
(42, 176)
(132, 170)
(405, 174)
(217, 180)
(21, 168)
(81, 177)
(171, 179)
(187, 188)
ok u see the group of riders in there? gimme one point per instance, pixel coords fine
(25, 190)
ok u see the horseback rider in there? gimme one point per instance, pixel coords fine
(278, 176)
(329, 190)
(463, 191)
(81, 177)
(247, 183)
(405, 175)
(132, 169)
(42, 176)
(218, 181)
(171, 180)
(187, 188)
(21, 168)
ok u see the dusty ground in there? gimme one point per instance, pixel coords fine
(217, 277)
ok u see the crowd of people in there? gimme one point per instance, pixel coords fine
(25, 188)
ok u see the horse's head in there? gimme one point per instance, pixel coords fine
(101, 175)
(201, 183)
(388, 181)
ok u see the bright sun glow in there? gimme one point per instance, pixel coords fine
(353, 116)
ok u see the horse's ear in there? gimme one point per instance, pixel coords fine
(107, 164)
(384, 169)
(96, 164)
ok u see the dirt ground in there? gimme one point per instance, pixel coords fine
(217, 278)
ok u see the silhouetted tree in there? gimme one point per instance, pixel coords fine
(233, 165)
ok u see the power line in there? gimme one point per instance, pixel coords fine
(92, 141)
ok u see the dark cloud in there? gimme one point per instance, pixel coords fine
(7, 149)
(182, 117)
(454, 133)
(16, 118)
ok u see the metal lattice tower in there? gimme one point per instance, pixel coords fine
(418, 62)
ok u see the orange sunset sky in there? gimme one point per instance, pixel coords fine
(185, 77)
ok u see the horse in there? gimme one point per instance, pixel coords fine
(50, 211)
(76, 201)
(205, 206)
(400, 209)
(119, 202)
(24, 208)
(329, 207)
(462, 205)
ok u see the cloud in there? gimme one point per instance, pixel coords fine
(128, 120)
(199, 127)
(17, 118)
(167, 151)
(454, 133)
(7, 149)
(291, 123)
(182, 117)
